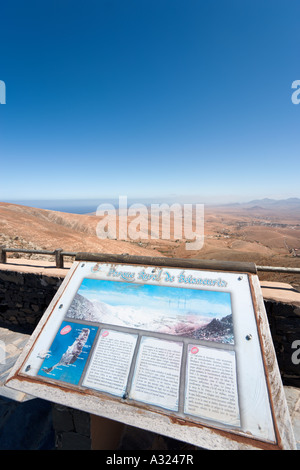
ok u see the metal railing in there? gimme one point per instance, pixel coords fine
(59, 255)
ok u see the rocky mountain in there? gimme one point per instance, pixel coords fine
(217, 330)
(82, 309)
(291, 204)
(276, 202)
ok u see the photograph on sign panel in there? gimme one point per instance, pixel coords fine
(192, 313)
(69, 352)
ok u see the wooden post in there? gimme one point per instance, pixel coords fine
(59, 259)
(2, 254)
(213, 265)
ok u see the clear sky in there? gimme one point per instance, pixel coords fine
(149, 98)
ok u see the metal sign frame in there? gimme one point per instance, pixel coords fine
(257, 416)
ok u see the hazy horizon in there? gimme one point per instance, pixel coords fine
(83, 206)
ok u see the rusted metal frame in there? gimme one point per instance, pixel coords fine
(100, 400)
(175, 421)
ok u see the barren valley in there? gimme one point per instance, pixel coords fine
(266, 232)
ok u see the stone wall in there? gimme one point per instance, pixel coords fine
(72, 428)
(24, 297)
(284, 323)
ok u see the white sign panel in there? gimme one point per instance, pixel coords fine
(177, 343)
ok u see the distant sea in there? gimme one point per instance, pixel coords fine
(84, 206)
(72, 206)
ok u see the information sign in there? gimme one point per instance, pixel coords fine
(180, 351)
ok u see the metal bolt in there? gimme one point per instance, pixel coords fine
(248, 337)
(61, 306)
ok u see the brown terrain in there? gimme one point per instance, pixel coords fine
(266, 232)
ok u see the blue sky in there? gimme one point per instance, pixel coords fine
(146, 98)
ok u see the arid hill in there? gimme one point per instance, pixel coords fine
(32, 228)
(266, 232)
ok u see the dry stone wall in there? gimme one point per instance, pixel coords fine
(284, 322)
(24, 297)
